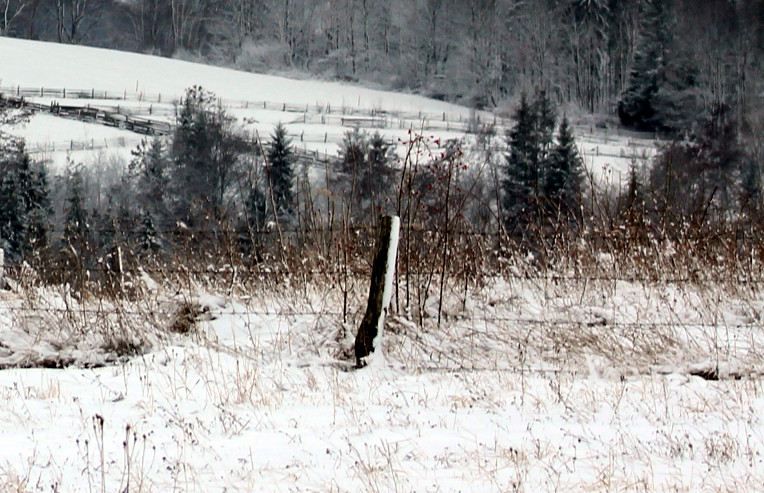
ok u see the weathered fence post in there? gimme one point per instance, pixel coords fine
(2, 269)
(369, 337)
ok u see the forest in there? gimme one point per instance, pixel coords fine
(482, 53)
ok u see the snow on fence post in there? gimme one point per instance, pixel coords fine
(2, 269)
(369, 337)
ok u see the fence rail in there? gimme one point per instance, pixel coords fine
(300, 141)
(134, 119)
(450, 120)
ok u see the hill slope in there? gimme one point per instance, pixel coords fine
(34, 63)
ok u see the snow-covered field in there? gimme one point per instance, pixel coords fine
(528, 385)
(151, 85)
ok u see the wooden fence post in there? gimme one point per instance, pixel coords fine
(369, 337)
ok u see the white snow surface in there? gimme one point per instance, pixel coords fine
(524, 388)
(52, 65)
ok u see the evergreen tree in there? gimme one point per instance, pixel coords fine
(564, 175)
(376, 176)
(76, 226)
(692, 175)
(148, 237)
(751, 188)
(256, 209)
(254, 222)
(11, 216)
(659, 95)
(350, 180)
(544, 123)
(280, 172)
(24, 202)
(522, 171)
(632, 205)
(74, 253)
(206, 158)
(150, 168)
(40, 212)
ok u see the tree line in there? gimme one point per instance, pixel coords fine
(210, 194)
(482, 53)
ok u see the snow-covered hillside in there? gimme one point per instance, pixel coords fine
(317, 113)
(39, 64)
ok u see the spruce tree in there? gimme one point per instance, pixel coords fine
(74, 250)
(149, 242)
(40, 212)
(76, 226)
(349, 181)
(633, 203)
(660, 93)
(376, 176)
(206, 159)
(544, 123)
(24, 202)
(11, 216)
(254, 220)
(280, 172)
(522, 171)
(636, 105)
(150, 170)
(564, 175)
(256, 209)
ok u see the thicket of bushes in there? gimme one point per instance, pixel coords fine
(210, 200)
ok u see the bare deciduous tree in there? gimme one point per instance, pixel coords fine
(70, 15)
(11, 10)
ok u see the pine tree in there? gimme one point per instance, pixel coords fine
(634, 200)
(148, 237)
(544, 121)
(254, 222)
(660, 95)
(11, 217)
(24, 202)
(76, 226)
(522, 171)
(150, 169)
(564, 176)
(256, 209)
(74, 253)
(206, 158)
(280, 172)
(351, 169)
(191, 144)
(40, 212)
(376, 175)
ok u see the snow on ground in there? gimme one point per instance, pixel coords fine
(527, 387)
(40, 64)
(319, 127)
